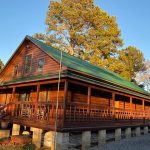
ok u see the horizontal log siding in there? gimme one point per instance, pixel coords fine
(101, 101)
(49, 93)
(2, 98)
(77, 93)
(50, 65)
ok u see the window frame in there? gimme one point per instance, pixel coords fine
(27, 65)
(15, 70)
(38, 67)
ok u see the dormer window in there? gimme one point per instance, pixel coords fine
(28, 60)
(41, 64)
(15, 73)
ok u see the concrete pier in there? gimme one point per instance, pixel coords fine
(101, 137)
(128, 132)
(16, 129)
(137, 131)
(118, 134)
(86, 140)
(62, 140)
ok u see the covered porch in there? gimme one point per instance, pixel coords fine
(80, 106)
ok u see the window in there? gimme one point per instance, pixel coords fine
(40, 64)
(24, 96)
(28, 60)
(15, 73)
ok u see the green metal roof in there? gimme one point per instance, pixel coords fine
(78, 64)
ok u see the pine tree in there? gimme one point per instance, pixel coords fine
(84, 30)
(133, 62)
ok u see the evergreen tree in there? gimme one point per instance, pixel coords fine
(80, 28)
(84, 30)
(132, 60)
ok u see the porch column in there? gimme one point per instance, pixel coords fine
(143, 104)
(65, 100)
(113, 104)
(89, 101)
(143, 107)
(37, 93)
(13, 94)
(131, 115)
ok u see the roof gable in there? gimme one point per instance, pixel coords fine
(26, 48)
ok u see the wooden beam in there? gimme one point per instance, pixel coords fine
(143, 104)
(92, 86)
(131, 103)
(65, 90)
(13, 95)
(131, 109)
(113, 103)
(37, 93)
(65, 100)
(6, 98)
(143, 107)
(89, 100)
(32, 83)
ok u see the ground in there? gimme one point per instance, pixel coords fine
(134, 143)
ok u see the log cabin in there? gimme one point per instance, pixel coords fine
(45, 88)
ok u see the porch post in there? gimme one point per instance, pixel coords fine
(143, 104)
(113, 104)
(13, 94)
(143, 108)
(65, 100)
(131, 114)
(37, 99)
(11, 109)
(89, 101)
(37, 93)
(65, 91)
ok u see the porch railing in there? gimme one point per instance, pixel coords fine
(45, 112)
(41, 112)
(75, 112)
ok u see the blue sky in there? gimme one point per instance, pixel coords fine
(26, 17)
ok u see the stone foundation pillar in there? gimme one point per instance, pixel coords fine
(128, 132)
(118, 134)
(145, 130)
(62, 140)
(16, 129)
(101, 137)
(86, 140)
(4, 133)
(36, 137)
(137, 131)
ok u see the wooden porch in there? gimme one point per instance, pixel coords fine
(80, 106)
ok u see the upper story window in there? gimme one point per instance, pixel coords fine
(15, 73)
(28, 61)
(41, 64)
